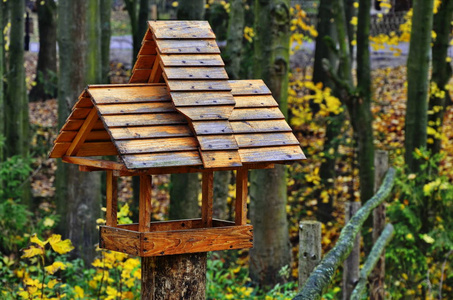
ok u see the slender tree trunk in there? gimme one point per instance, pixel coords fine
(221, 186)
(46, 69)
(106, 33)
(16, 113)
(78, 193)
(138, 14)
(441, 73)
(191, 9)
(2, 75)
(234, 39)
(268, 189)
(93, 27)
(417, 81)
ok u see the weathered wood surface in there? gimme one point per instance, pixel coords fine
(250, 155)
(156, 71)
(144, 217)
(145, 61)
(98, 163)
(310, 248)
(217, 142)
(156, 160)
(256, 114)
(198, 85)
(121, 240)
(202, 73)
(80, 113)
(266, 139)
(201, 98)
(206, 113)
(199, 60)
(94, 135)
(74, 125)
(144, 119)
(219, 159)
(83, 132)
(148, 48)
(213, 127)
(255, 101)
(240, 216)
(130, 94)
(140, 76)
(207, 192)
(178, 224)
(111, 199)
(84, 102)
(188, 46)
(260, 126)
(136, 108)
(87, 149)
(351, 265)
(322, 275)
(174, 277)
(181, 30)
(249, 87)
(157, 145)
(145, 132)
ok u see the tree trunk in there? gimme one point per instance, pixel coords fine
(441, 73)
(417, 81)
(138, 14)
(93, 27)
(16, 112)
(174, 277)
(191, 9)
(234, 41)
(268, 189)
(2, 98)
(46, 69)
(106, 33)
(78, 193)
(221, 187)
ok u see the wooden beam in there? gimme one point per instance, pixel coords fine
(207, 196)
(88, 124)
(111, 199)
(98, 164)
(241, 196)
(144, 218)
(156, 72)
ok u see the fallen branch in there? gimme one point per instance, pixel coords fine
(371, 261)
(320, 278)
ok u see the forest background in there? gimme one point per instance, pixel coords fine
(351, 76)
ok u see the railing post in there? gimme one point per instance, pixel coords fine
(381, 166)
(351, 265)
(309, 248)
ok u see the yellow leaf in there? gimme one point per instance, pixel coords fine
(48, 222)
(55, 267)
(60, 246)
(79, 292)
(34, 239)
(52, 283)
(32, 252)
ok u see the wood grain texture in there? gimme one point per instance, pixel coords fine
(181, 30)
(145, 61)
(220, 159)
(136, 108)
(79, 113)
(205, 113)
(197, 240)
(201, 60)
(217, 142)
(260, 126)
(277, 154)
(84, 102)
(148, 48)
(74, 125)
(255, 101)
(156, 71)
(111, 199)
(198, 85)
(97, 163)
(121, 240)
(87, 149)
(144, 211)
(272, 113)
(212, 127)
(82, 134)
(207, 193)
(157, 160)
(157, 145)
(266, 139)
(249, 87)
(240, 217)
(202, 98)
(188, 46)
(178, 224)
(144, 120)
(140, 76)
(144, 132)
(205, 73)
(130, 94)
(94, 135)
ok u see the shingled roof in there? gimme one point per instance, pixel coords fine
(179, 109)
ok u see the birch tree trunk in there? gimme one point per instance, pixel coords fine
(268, 190)
(78, 193)
(417, 81)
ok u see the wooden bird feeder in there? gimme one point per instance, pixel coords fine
(178, 114)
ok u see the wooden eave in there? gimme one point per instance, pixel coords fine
(178, 111)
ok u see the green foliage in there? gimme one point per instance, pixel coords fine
(14, 224)
(420, 211)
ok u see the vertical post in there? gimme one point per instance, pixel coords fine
(309, 249)
(241, 196)
(352, 263)
(207, 198)
(144, 213)
(111, 199)
(381, 166)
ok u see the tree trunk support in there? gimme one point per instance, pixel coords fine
(309, 248)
